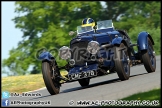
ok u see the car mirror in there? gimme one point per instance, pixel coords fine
(71, 33)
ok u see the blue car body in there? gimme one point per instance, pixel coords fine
(109, 37)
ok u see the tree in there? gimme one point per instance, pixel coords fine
(45, 25)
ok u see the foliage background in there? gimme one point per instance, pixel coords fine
(46, 24)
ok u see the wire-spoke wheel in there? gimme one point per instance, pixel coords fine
(149, 58)
(121, 62)
(50, 81)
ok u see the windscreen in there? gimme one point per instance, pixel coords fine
(104, 24)
(81, 29)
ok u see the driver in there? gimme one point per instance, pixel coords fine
(88, 23)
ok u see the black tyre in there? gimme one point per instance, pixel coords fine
(84, 82)
(52, 85)
(149, 58)
(122, 65)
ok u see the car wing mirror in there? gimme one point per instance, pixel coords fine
(71, 33)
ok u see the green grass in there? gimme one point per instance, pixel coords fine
(24, 83)
(144, 98)
(152, 96)
(149, 95)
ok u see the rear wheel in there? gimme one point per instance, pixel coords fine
(52, 84)
(122, 66)
(84, 82)
(149, 58)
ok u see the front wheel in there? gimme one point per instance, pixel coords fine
(50, 81)
(84, 82)
(149, 58)
(122, 65)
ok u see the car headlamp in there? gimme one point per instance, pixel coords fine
(93, 47)
(64, 52)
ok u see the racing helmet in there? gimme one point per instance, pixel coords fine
(88, 22)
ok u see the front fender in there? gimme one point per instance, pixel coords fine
(117, 40)
(142, 40)
(45, 56)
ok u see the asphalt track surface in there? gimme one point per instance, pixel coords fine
(102, 88)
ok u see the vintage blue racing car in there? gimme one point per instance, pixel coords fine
(96, 52)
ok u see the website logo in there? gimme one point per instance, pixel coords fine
(5, 102)
(5, 94)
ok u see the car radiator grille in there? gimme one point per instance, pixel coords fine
(79, 52)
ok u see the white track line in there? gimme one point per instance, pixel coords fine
(36, 90)
(66, 84)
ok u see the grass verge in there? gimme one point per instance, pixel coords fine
(143, 99)
(24, 83)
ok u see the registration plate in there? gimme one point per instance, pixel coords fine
(81, 75)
